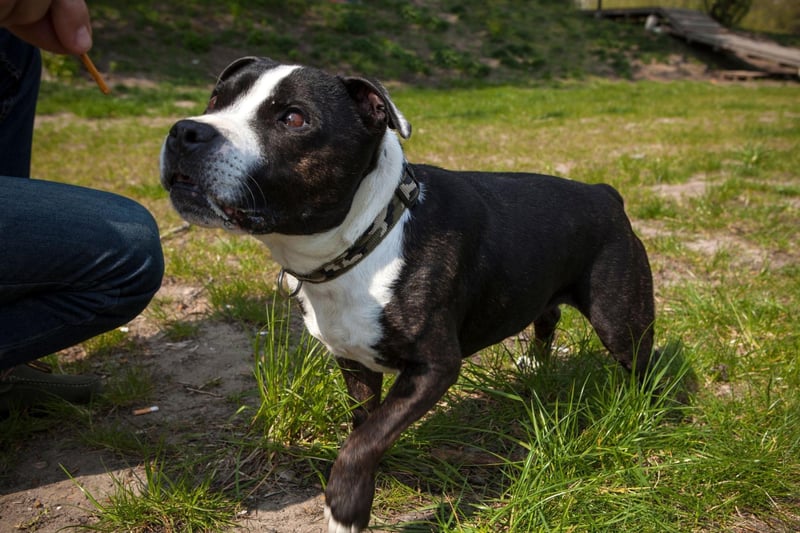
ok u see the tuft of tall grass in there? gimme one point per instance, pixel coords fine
(594, 454)
(303, 402)
(160, 502)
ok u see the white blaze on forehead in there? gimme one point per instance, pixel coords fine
(234, 122)
(248, 103)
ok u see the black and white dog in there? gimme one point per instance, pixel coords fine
(397, 267)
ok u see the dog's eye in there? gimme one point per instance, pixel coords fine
(294, 119)
(212, 103)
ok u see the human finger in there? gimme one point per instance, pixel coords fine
(40, 34)
(72, 18)
(72, 26)
(22, 12)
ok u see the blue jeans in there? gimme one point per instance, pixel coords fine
(74, 262)
(20, 70)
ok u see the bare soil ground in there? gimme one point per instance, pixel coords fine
(193, 381)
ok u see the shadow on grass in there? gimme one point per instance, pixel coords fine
(470, 456)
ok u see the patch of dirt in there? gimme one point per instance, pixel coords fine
(194, 381)
(693, 188)
(676, 67)
(744, 253)
(700, 67)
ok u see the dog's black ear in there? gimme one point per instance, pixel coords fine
(228, 71)
(376, 106)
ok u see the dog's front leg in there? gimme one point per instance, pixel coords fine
(364, 386)
(351, 486)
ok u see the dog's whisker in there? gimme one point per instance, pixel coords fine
(251, 179)
(252, 197)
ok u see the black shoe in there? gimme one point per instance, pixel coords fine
(34, 383)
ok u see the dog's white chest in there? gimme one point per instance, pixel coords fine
(347, 331)
(345, 313)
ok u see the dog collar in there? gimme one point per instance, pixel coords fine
(404, 197)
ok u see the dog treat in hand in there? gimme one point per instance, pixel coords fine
(95, 74)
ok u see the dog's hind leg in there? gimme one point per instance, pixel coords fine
(620, 305)
(544, 331)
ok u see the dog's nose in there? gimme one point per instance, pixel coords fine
(188, 135)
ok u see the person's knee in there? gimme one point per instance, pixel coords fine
(144, 259)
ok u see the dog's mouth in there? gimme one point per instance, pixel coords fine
(195, 204)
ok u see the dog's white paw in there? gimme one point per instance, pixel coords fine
(336, 527)
(527, 363)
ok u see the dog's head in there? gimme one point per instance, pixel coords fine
(279, 149)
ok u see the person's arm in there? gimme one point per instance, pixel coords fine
(60, 26)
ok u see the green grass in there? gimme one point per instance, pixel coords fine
(437, 42)
(159, 502)
(570, 445)
(574, 444)
(291, 376)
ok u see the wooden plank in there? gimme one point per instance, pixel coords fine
(697, 27)
(740, 74)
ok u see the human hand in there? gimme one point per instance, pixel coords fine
(60, 26)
